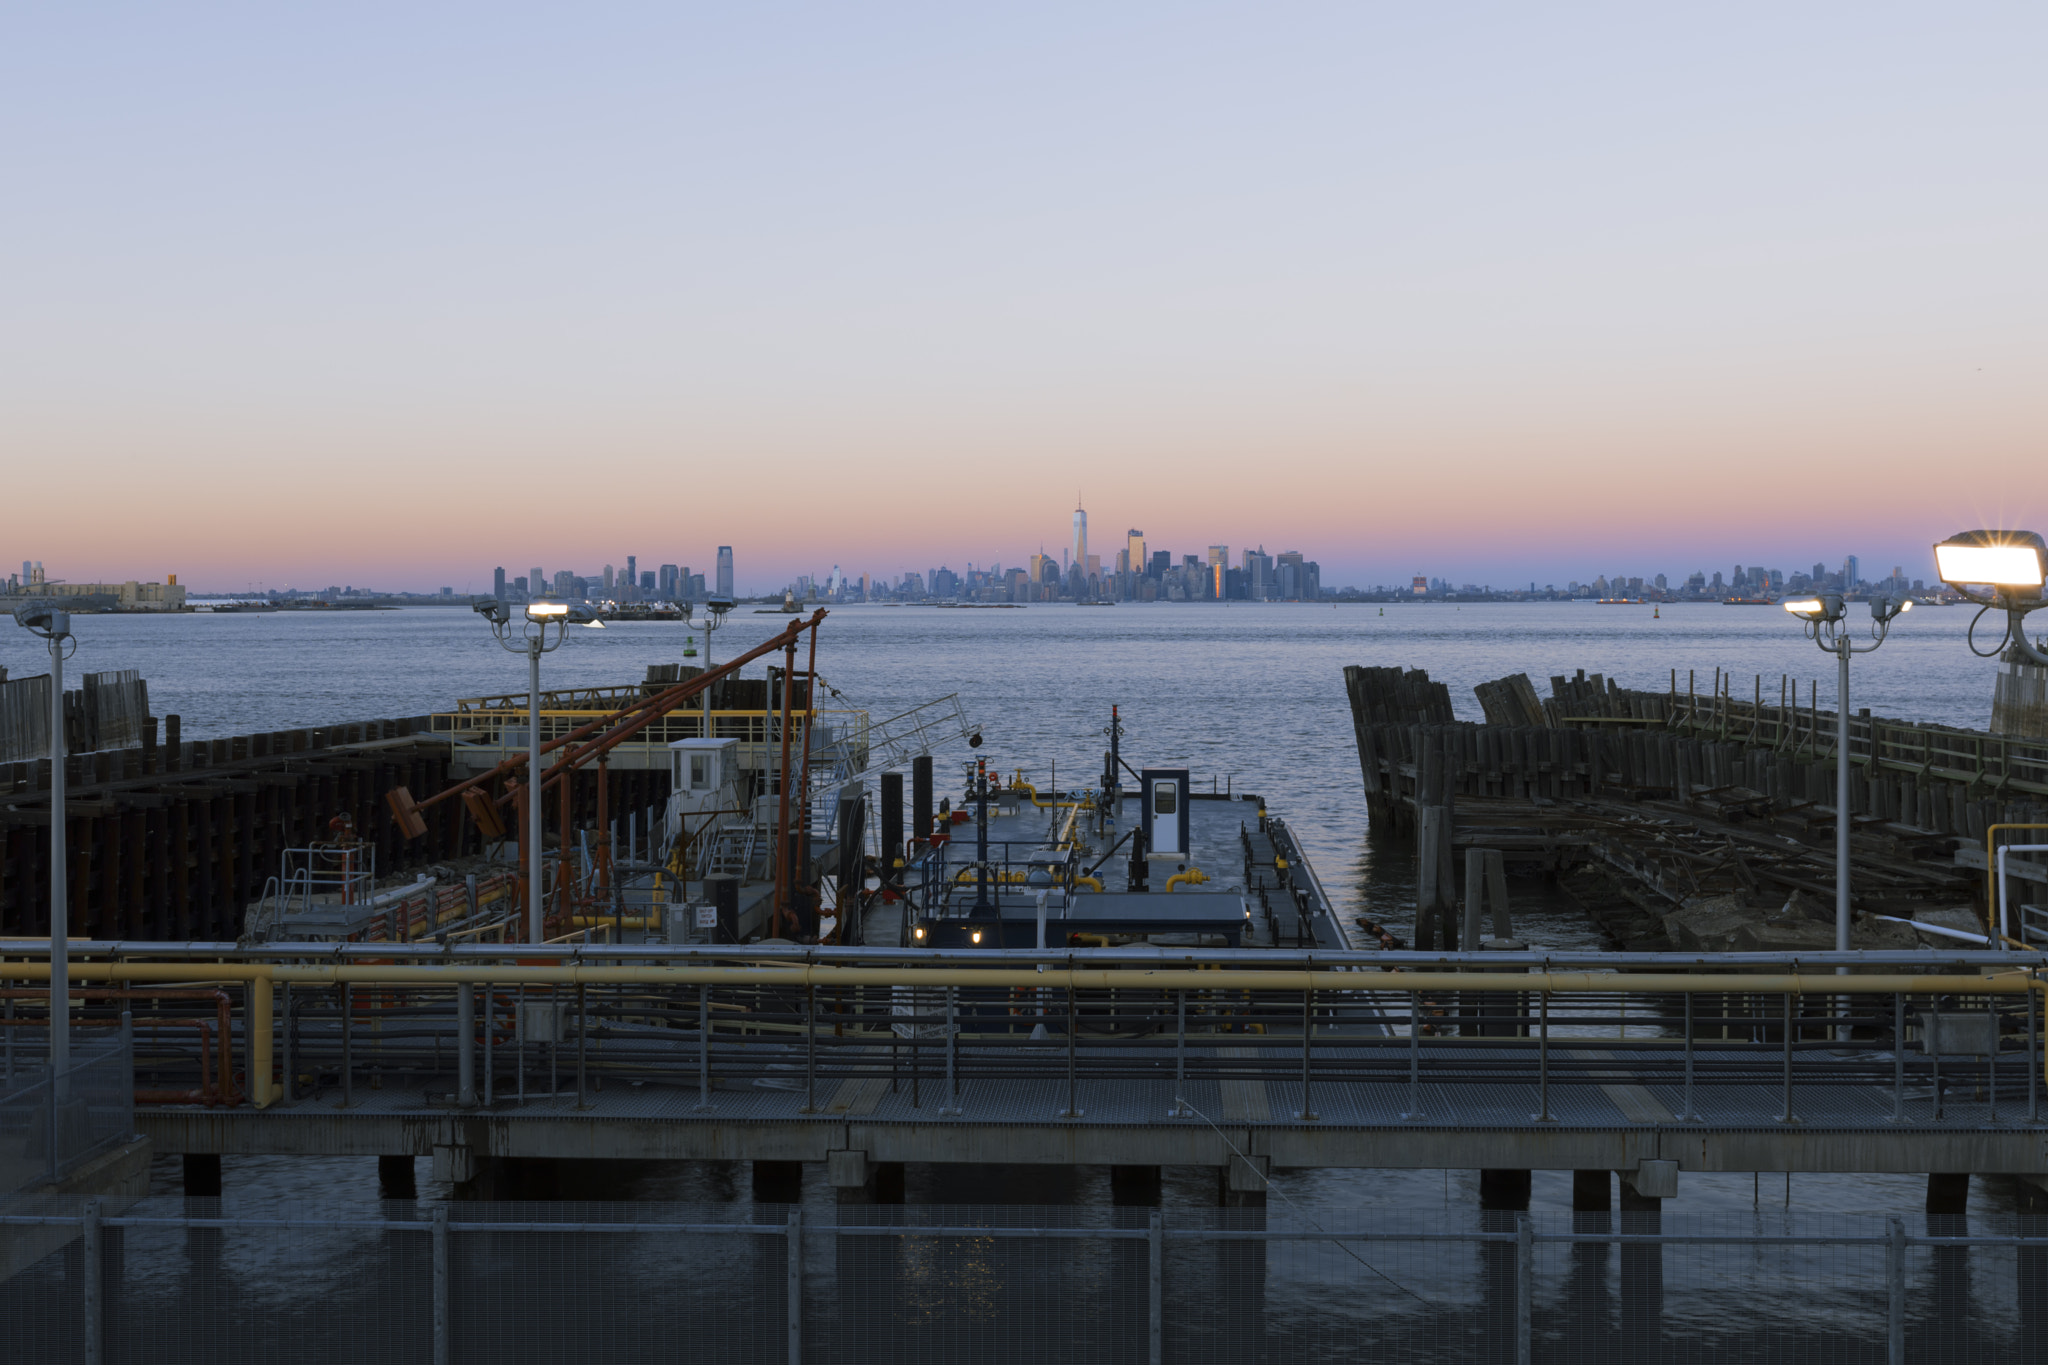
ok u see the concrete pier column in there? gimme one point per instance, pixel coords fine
(1504, 1190)
(396, 1178)
(1134, 1187)
(1241, 1264)
(779, 1182)
(2031, 1262)
(1948, 1194)
(1503, 1196)
(1588, 1294)
(857, 1180)
(202, 1175)
(1592, 1200)
(1948, 1215)
(1642, 1274)
(1134, 1191)
(203, 1247)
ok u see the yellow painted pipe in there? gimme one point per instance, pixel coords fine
(1094, 883)
(1194, 876)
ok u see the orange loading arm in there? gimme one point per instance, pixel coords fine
(598, 737)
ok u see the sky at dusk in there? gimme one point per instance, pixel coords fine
(393, 294)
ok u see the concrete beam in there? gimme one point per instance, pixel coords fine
(328, 1132)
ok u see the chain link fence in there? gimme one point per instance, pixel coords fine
(170, 1280)
(48, 1130)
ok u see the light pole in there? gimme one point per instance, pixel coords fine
(2003, 571)
(531, 639)
(55, 626)
(1823, 616)
(715, 608)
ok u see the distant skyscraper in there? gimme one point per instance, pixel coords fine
(498, 582)
(1080, 535)
(725, 570)
(1134, 544)
(537, 582)
(667, 585)
(632, 568)
(1852, 572)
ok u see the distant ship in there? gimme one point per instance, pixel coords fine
(1748, 602)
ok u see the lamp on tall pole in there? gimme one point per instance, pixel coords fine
(1823, 616)
(532, 640)
(2003, 571)
(715, 608)
(53, 625)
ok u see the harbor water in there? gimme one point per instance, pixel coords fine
(1248, 697)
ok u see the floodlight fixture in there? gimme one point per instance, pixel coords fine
(546, 611)
(2006, 561)
(2002, 571)
(1826, 607)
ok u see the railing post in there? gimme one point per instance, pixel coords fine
(1543, 1058)
(1898, 1057)
(442, 1354)
(582, 1044)
(704, 1048)
(1895, 1292)
(795, 1291)
(1688, 1113)
(1525, 1286)
(348, 1056)
(490, 1055)
(1414, 1056)
(810, 1049)
(89, 1297)
(1073, 1109)
(1308, 1026)
(465, 1044)
(1786, 1117)
(2033, 1069)
(952, 1104)
(1181, 1108)
(291, 1087)
(1155, 1322)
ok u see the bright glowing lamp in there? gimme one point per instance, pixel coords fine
(1998, 559)
(545, 611)
(1826, 607)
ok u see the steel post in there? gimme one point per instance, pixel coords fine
(1895, 1291)
(795, 1290)
(952, 1104)
(465, 1044)
(1155, 1298)
(91, 1297)
(1525, 1286)
(1308, 1024)
(60, 884)
(704, 1049)
(534, 932)
(442, 1353)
